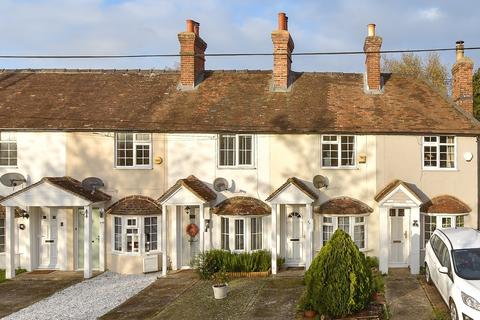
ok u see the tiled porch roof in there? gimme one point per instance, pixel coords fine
(343, 206)
(135, 205)
(242, 206)
(299, 184)
(445, 204)
(18, 214)
(68, 184)
(196, 186)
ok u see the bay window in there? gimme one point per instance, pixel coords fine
(431, 222)
(241, 233)
(235, 150)
(355, 226)
(439, 152)
(133, 150)
(338, 151)
(135, 234)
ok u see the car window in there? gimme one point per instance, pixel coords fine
(433, 241)
(467, 263)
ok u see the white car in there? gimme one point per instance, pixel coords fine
(452, 263)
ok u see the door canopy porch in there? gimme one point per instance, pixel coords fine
(344, 206)
(242, 206)
(445, 204)
(293, 191)
(189, 190)
(54, 192)
(399, 193)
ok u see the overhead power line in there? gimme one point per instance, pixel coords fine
(236, 54)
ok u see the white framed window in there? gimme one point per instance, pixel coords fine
(2, 234)
(431, 222)
(135, 234)
(355, 226)
(439, 152)
(8, 149)
(338, 151)
(150, 227)
(133, 150)
(239, 234)
(256, 233)
(225, 236)
(235, 150)
(117, 234)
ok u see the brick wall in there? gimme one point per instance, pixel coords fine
(462, 91)
(371, 47)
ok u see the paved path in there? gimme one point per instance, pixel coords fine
(405, 297)
(28, 288)
(88, 299)
(154, 298)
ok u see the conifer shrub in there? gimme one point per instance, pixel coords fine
(339, 280)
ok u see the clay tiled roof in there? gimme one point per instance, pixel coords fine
(242, 206)
(196, 186)
(135, 205)
(445, 204)
(299, 184)
(343, 206)
(391, 186)
(70, 185)
(224, 102)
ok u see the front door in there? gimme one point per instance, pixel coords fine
(399, 228)
(294, 238)
(48, 239)
(190, 245)
(80, 227)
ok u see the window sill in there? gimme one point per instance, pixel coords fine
(135, 254)
(9, 167)
(340, 168)
(134, 168)
(440, 169)
(236, 168)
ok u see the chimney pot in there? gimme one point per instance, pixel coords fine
(460, 52)
(190, 27)
(282, 21)
(371, 30)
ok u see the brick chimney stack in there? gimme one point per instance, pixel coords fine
(282, 48)
(462, 73)
(192, 61)
(371, 48)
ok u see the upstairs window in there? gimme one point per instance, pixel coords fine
(338, 151)
(235, 150)
(133, 150)
(439, 152)
(8, 149)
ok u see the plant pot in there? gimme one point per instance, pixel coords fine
(220, 291)
(309, 314)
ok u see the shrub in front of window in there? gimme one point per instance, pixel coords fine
(339, 281)
(210, 262)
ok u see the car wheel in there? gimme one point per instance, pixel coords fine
(453, 311)
(428, 278)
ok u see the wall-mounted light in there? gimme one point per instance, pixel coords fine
(415, 223)
(207, 224)
(187, 210)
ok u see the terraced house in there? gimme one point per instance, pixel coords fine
(236, 160)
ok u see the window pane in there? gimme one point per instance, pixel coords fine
(227, 150)
(327, 232)
(343, 223)
(430, 156)
(430, 226)
(256, 233)
(245, 150)
(118, 234)
(359, 236)
(460, 221)
(124, 142)
(225, 234)
(8, 153)
(348, 150)
(446, 222)
(150, 228)
(239, 235)
(330, 154)
(142, 156)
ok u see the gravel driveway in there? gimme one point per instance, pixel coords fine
(88, 299)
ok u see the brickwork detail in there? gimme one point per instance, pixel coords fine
(462, 90)
(282, 60)
(372, 47)
(192, 61)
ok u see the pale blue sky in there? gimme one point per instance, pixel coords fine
(151, 26)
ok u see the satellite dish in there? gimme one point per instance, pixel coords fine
(12, 179)
(92, 184)
(220, 184)
(320, 181)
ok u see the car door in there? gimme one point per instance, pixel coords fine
(432, 259)
(445, 280)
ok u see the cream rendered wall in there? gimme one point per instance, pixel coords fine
(40, 154)
(400, 157)
(300, 156)
(92, 154)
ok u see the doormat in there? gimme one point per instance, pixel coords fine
(41, 271)
(295, 268)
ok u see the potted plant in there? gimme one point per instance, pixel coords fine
(307, 307)
(220, 285)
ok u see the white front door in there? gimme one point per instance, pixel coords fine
(79, 228)
(190, 245)
(399, 230)
(295, 238)
(48, 239)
